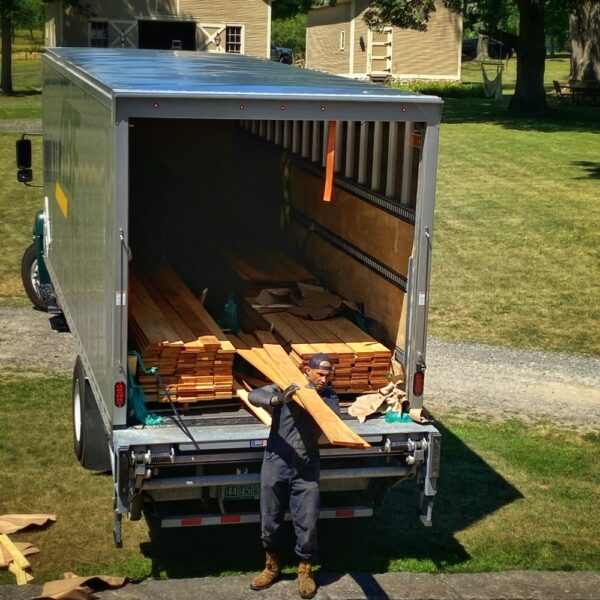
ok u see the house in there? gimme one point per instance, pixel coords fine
(237, 26)
(339, 41)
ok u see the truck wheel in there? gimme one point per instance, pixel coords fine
(78, 396)
(89, 436)
(31, 279)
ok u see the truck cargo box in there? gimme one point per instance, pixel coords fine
(193, 159)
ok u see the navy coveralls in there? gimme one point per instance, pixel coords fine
(290, 472)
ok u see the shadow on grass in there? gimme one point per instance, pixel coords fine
(556, 118)
(469, 490)
(592, 169)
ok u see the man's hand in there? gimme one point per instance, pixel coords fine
(285, 396)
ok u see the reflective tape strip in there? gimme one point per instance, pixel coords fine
(231, 519)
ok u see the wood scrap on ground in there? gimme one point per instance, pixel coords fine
(13, 554)
(266, 354)
(15, 560)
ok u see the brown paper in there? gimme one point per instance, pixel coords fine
(366, 405)
(73, 587)
(12, 523)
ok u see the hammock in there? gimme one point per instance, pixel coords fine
(492, 88)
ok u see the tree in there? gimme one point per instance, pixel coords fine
(29, 14)
(529, 41)
(584, 24)
(11, 11)
(6, 9)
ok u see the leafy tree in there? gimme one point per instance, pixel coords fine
(529, 41)
(14, 12)
(291, 33)
(29, 14)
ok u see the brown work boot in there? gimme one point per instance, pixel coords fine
(269, 575)
(306, 584)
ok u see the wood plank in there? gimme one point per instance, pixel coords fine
(195, 305)
(259, 412)
(332, 426)
(20, 574)
(14, 552)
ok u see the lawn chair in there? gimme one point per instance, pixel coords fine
(564, 97)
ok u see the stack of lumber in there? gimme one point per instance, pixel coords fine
(360, 362)
(256, 265)
(173, 332)
(264, 353)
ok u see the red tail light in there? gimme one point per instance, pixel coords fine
(120, 394)
(418, 383)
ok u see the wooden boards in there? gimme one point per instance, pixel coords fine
(174, 333)
(360, 362)
(266, 355)
(256, 263)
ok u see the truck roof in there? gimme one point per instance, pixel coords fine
(129, 72)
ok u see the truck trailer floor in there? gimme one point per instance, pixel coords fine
(512, 585)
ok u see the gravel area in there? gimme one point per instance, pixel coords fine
(21, 125)
(465, 379)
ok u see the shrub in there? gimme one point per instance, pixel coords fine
(444, 89)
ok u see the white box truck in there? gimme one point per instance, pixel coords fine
(165, 154)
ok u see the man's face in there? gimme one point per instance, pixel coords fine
(319, 376)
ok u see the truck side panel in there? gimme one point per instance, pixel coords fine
(80, 220)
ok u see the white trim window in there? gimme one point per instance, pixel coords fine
(342, 40)
(98, 34)
(234, 39)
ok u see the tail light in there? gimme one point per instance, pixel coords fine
(418, 381)
(120, 394)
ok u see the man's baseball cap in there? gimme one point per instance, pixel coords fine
(314, 362)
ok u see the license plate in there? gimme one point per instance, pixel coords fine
(243, 491)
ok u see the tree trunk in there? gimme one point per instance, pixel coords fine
(530, 96)
(584, 24)
(6, 78)
(483, 45)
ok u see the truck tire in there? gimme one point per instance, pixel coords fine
(89, 436)
(31, 280)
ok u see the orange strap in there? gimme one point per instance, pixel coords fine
(329, 166)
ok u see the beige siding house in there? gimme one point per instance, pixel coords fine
(238, 26)
(339, 41)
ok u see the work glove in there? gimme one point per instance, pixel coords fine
(285, 396)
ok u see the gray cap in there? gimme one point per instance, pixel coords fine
(314, 362)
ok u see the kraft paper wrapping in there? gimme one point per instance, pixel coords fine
(12, 523)
(73, 587)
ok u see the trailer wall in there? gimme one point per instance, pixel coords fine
(81, 238)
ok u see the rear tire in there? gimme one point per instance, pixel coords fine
(90, 441)
(78, 397)
(31, 278)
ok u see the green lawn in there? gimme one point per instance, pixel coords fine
(510, 497)
(516, 253)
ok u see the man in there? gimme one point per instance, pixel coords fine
(290, 474)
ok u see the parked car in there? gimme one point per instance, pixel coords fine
(496, 49)
(281, 54)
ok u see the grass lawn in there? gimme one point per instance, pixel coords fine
(510, 497)
(516, 254)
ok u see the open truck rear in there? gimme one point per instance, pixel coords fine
(153, 156)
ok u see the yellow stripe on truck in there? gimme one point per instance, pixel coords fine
(61, 199)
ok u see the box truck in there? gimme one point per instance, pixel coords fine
(170, 155)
